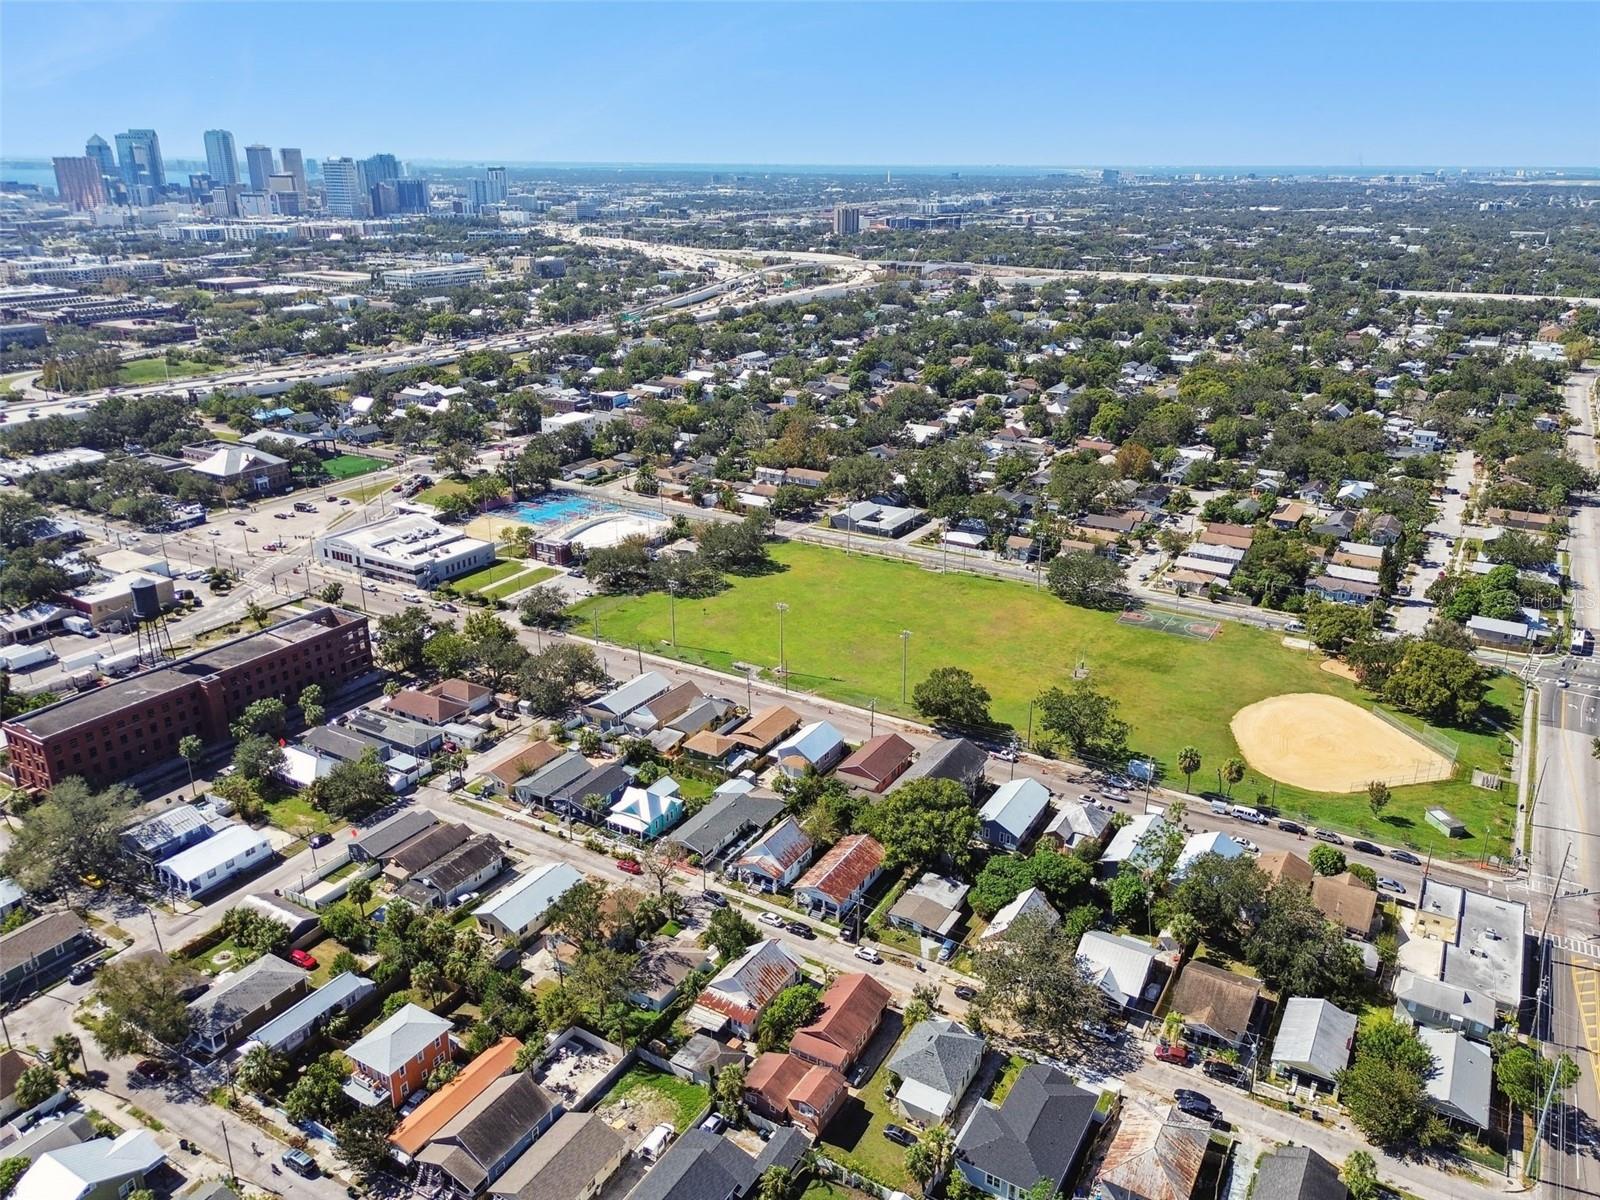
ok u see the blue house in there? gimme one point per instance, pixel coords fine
(646, 813)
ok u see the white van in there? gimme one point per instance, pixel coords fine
(1245, 813)
(1220, 808)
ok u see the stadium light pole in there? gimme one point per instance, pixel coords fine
(905, 658)
(782, 667)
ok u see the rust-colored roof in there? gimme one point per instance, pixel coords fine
(708, 744)
(851, 1011)
(843, 871)
(1345, 901)
(783, 1081)
(766, 727)
(439, 1109)
(1154, 1155)
(878, 761)
(1218, 999)
(525, 762)
(424, 707)
(1281, 865)
(463, 690)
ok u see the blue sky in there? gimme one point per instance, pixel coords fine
(838, 83)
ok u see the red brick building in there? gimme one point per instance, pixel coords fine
(118, 730)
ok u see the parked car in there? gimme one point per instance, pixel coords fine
(801, 929)
(899, 1136)
(1391, 885)
(1405, 856)
(446, 606)
(1226, 1072)
(304, 961)
(241, 521)
(1173, 1052)
(300, 1163)
(716, 899)
(151, 1068)
(1327, 835)
(82, 972)
(965, 992)
(1366, 848)
(1292, 827)
(1196, 1104)
(868, 954)
(630, 865)
(319, 840)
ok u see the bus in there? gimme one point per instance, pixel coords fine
(1582, 642)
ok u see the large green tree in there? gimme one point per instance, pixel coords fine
(1085, 719)
(1440, 684)
(74, 832)
(1033, 977)
(1088, 579)
(788, 1011)
(1385, 1087)
(951, 696)
(141, 1005)
(922, 823)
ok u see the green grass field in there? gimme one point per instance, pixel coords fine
(516, 583)
(348, 466)
(842, 640)
(447, 487)
(501, 568)
(366, 491)
(686, 1099)
(157, 370)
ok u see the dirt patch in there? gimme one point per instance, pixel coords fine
(640, 1111)
(1298, 643)
(1326, 744)
(1337, 666)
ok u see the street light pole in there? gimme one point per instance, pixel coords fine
(783, 668)
(905, 660)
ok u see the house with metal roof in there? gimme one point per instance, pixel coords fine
(241, 1003)
(1211, 841)
(1435, 1004)
(207, 865)
(1009, 817)
(1077, 823)
(572, 1161)
(736, 996)
(1298, 1173)
(1126, 841)
(735, 810)
(956, 759)
(1461, 1086)
(936, 1063)
(841, 878)
(1120, 966)
(518, 910)
(1031, 904)
(96, 1170)
(645, 813)
(814, 747)
(1154, 1154)
(410, 737)
(1315, 1040)
(776, 859)
(1038, 1132)
(299, 1023)
(167, 833)
(852, 1009)
(395, 1059)
(475, 1147)
(931, 907)
(609, 710)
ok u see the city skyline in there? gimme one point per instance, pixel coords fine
(1136, 85)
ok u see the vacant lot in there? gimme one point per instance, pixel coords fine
(348, 466)
(647, 1097)
(842, 639)
(158, 370)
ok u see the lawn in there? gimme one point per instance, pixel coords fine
(294, 814)
(446, 487)
(366, 491)
(686, 1099)
(842, 640)
(501, 568)
(348, 466)
(510, 587)
(855, 1137)
(158, 370)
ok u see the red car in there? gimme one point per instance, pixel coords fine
(630, 866)
(303, 960)
(1175, 1053)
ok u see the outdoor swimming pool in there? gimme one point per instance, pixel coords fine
(558, 509)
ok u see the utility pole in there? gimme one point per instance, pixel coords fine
(154, 928)
(227, 1145)
(872, 718)
(783, 668)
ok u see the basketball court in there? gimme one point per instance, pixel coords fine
(1177, 624)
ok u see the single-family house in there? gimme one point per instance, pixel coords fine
(1120, 966)
(502, 776)
(701, 1057)
(765, 728)
(931, 907)
(776, 858)
(166, 834)
(517, 911)
(665, 965)
(591, 795)
(1463, 1081)
(384, 838)
(1346, 901)
(737, 809)
(785, 1087)
(814, 747)
(304, 1019)
(877, 763)
(663, 710)
(1007, 820)
(427, 707)
(1298, 1173)
(645, 813)
(1315, 1040)
(550, 776)
(1037, 1133)
(1125, 842)
(701, 1165)
(936, 1063)
(1153, 1154)
(102, 1169)
(465, 869)
(242, 1002)
(395, 1059)
(475, 1147)
(852, 1010)
(573, 1160)
(208, 865)
(412, 1135)
(838, 881)
(608, 711)
(1200, 844)
(736, 995)
(1285, 866)
(1435, 1004)
(1078, 823)
(1030, 904)
(39, 948)
(956, 759)
(1217, 1005)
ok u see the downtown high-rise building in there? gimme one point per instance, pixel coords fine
(341, 186)
(78, 183)
(97, 149)
(411, 195)
(477, 194)
(222, 157)
(293, 163)
(497, 184)
(378, 169)
(139, 159)
(259, 165)
(846, 219)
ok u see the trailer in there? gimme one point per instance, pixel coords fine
(120, 664)
(25, 658)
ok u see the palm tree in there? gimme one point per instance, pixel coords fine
(191, 749)
(1233, 772)
(1188, 763)
(929, 1158)
(426, 977)
(63, 1049)
(261, 1069)
(776, 1184)
(359, 894)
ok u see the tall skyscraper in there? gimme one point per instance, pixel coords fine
(139, 159)
(377, 169)
(411, 195)
(294, 164)
(78, 183)
(97, 149)
(477, 194)
(258, 159)
(222, 157)
(846, 219)
(341, 183)
(497, 184)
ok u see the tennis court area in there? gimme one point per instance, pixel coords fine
(1177, 624)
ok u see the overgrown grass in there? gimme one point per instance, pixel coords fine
(687, 1099)
(867, 1151)
(157, 370)
(294, 814)
(842, 640)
